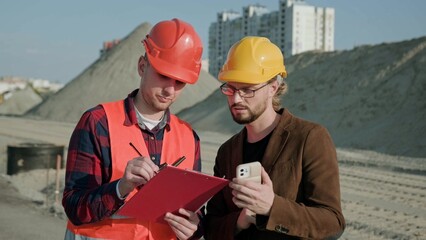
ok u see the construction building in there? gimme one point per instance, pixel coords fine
(296, 27)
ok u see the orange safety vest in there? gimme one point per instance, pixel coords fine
(178, 141)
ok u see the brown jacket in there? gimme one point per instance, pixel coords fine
(302, 164)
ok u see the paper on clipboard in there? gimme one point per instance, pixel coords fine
(172, 188)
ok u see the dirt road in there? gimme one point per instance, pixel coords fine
(383, 196)
(21, 219)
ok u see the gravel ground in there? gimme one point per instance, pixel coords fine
(383, 196)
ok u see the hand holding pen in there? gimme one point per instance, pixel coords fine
(163, 165)
(138, 172)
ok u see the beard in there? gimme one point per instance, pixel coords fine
(250, 115)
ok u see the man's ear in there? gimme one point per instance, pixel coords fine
(141, 65)
(274, 88)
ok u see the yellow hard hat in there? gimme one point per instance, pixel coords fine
(253, 60)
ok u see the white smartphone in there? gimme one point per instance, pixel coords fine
(250, 171)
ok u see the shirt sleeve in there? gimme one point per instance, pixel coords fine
(88, 195)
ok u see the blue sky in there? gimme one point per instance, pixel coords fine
(57, 40)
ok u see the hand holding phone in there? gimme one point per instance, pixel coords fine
(250, 171)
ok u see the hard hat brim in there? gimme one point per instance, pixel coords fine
(173, 71)
(243, 77)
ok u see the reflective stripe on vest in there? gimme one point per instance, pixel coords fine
(178, 141)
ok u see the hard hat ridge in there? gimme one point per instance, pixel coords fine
(174, 49)
(253, 60)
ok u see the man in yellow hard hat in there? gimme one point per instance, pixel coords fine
(117, 147)
(299, 194)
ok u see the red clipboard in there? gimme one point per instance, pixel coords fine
(172, 188)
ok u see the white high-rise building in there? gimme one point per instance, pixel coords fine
(296, 27)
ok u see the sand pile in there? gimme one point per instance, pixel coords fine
(110, 78)
(20, 102)
(372, 97)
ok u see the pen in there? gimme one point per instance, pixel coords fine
(179, 161)
(175, 163)
(161, 166)
(133, 146)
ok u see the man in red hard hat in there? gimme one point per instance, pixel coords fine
(117, 147)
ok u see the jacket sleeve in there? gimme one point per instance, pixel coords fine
(317, 214)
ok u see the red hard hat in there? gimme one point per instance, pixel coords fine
(174, 49)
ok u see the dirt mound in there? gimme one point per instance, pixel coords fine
(20, 102)
(371, 97)
(110, 78)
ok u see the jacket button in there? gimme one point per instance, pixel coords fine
(281, 229)
(278, 228)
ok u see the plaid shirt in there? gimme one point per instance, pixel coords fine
(89, 196)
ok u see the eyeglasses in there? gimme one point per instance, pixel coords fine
(243, 92)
